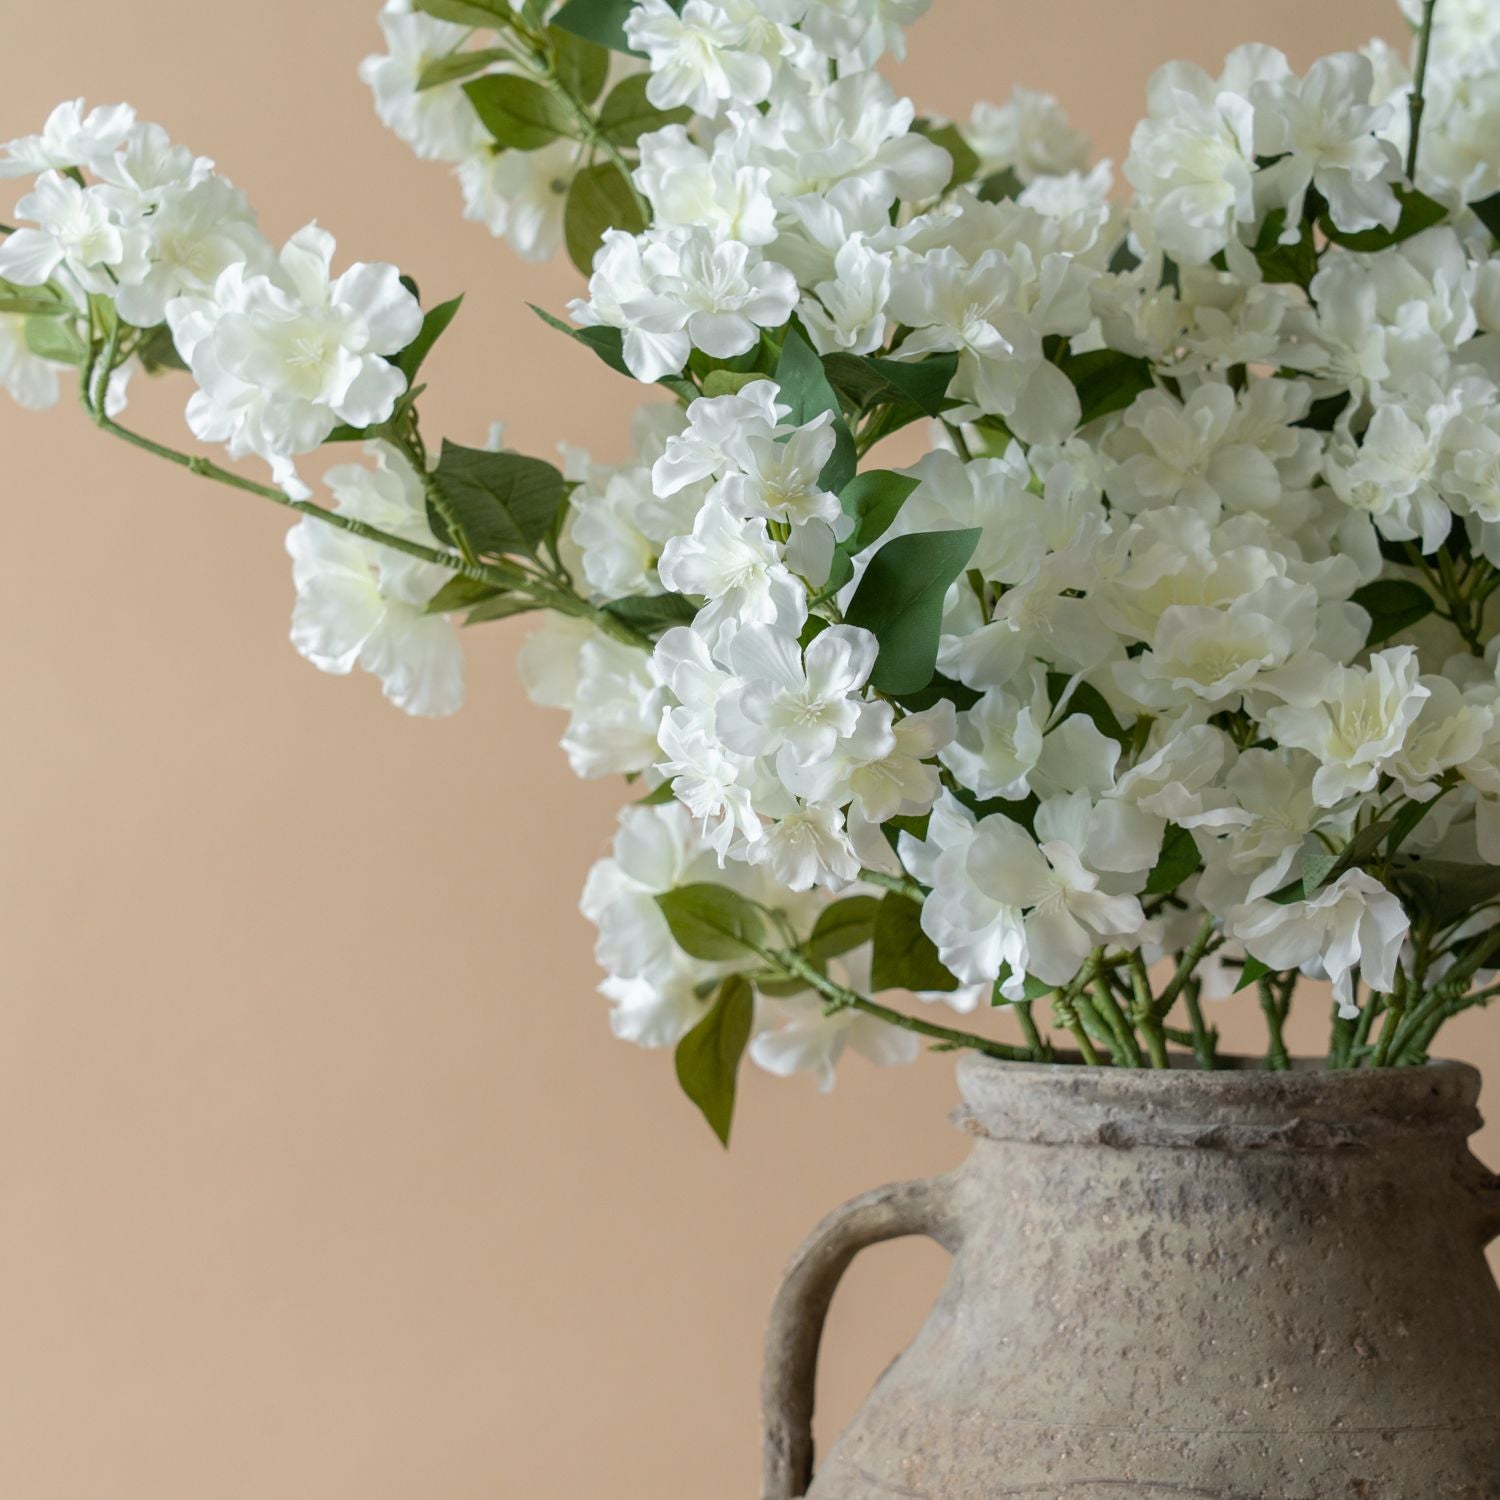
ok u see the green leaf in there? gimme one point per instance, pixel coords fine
(873, 499)
(488, 15)
(607, 343)
(871, 381)
(844, 925)
(1394, 605)
(157, 352)
(55, 338)
(599, 199)
(503, 502)
(904, 956)
(1488, 212)
(806, 389)
(711, 922)
(582, 66)
(1106, 381)
(518, 112)
(459, 65)
(1317, 865)
(708, 1057)
(501, 607)
(965, 162)
(1446, 889)
(1087, 700)
(1253, 971)
(461, 593)
(627, 114)
(900, 599)
(1320, 865)
(729, 382)
(601, 21)
(1405, 823)
(650, 612)
(1296, 263)
(1032, 988)
(999, 186)
(658, 796)
(434, 325)
(936, 691)
(1418, 212)
(1179, 858)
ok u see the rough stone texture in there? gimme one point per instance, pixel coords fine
(1233, 1286)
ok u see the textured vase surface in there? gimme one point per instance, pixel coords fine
(1235, 1286)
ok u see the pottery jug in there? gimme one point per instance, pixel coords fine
(1238, 1285)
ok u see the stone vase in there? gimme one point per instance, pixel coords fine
(1237, 1286)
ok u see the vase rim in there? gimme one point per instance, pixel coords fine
(1241, 1106)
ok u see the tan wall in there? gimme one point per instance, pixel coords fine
(321, 1175)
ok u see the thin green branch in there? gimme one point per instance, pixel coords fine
(1418, 102)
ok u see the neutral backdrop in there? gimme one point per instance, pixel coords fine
(321, 1175)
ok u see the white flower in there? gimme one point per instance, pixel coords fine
(1192, 160)
(695, 56)
(848, 311)
(700, 293)
(1325, 131)
(30, 380)
(359, 602)
(801, 1035)
(1029, 134)
(784, 699)
(777, 476)
(806, 847)
(77, 231)
(438, 123)
(1353, 719)
(736, 566)
(691, 188)
(718, 427)
(280, 362)
(196, 232)
(520, 195)
(70, 138)
(1353, 924)
(659, 1011)
(1067, 915)
(858, 33)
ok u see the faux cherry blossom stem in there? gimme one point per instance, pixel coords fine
(1277, 1059)
(1419, 83)
(1187, 965)
(842, 998)
(901, 884)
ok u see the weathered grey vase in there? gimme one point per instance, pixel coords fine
(1236, 1286)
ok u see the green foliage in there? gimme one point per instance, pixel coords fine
(869, 381)
(1394, 605)
(501, 607)
(1445, 890)
(965, 162)
(1488, 212)
(434, 326)
(607, 343)
(157, 352)
(582, 66)
(459, 65)
(1106, 380)
(601, 21)
(712, 922)
(520, 113)
(626, 114)
(873, 499)
(900, 600)
(1032, 988)
(1179, 859)
(999, 186)
(600, 198)
(55, 338)
(1418, 212)
(1254, 970)
(904, 956)
(461, 593)
(502, 502)
(1087, 700)
(653, 612)
(844, 925)
(806, 389)
(487, 15)
(708, 1057)
(1296, 263)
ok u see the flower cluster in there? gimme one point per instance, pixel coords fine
(1167, 671)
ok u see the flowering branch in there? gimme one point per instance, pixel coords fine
(1418, 104)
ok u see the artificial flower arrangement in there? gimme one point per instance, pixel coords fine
(1166, 673)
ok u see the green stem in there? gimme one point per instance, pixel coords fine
(1128, 1048)
(1418, 102)
(1040, 1051)
(1192, 956)
(1277, 1059)
(1144, 1012)
(794, 965)
(1205, 1039)
(901, 884)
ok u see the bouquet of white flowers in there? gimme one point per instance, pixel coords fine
(1165, 673)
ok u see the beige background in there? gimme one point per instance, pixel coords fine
(321, 1175)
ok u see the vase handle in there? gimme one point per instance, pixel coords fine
(801, 1306)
